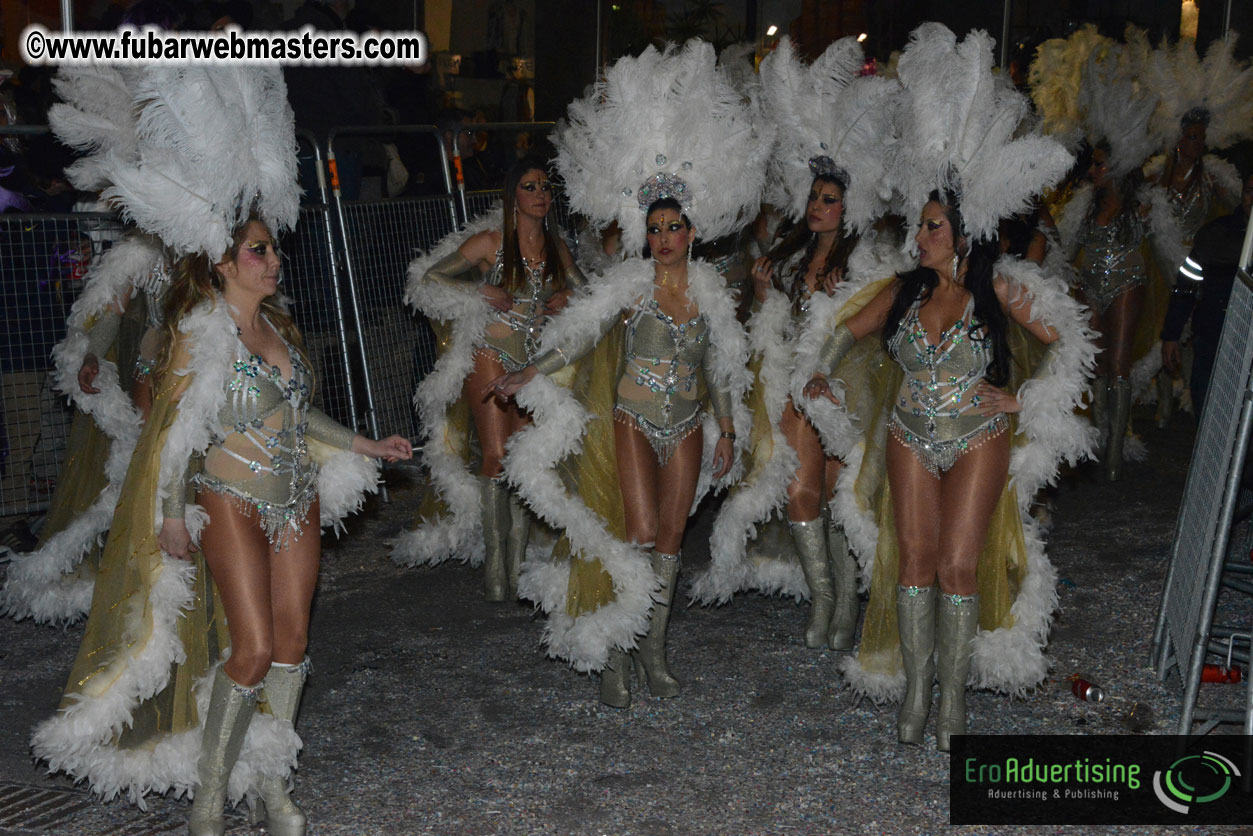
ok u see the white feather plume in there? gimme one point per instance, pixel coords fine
(957, 132)
(184, 152)
(665, 112)
(1221, 84)
(1116, 108)
(827, 109)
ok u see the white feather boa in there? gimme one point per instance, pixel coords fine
(559, 422)
(749, 504)
(1006, 659)
(79, 738)
(459, 534)
(38, 585)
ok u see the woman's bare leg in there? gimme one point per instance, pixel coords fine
(238, 556)
(637, 479)
(916, 508)
(969, 493)
(806, 494)
(1120, 319)
(494, 421)
(293, 578)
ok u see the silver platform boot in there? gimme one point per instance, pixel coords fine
(844, 580)
(1119, 414)
(915, 622)
(1099, 410)
(957, 622)
(494, 508)
(615, 680)
(810, 539)
(651, 656)
(230, 711)
(281, 815)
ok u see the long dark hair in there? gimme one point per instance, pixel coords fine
(989, 323)
(800, 236)
(514, 277)
(1127, 186)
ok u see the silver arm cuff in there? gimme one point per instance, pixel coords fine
(575, 280)
(834, 349)
(103, 332)
(329, 431)
(451, 271)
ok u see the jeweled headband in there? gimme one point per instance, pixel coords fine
(664, 185)
(823, 165)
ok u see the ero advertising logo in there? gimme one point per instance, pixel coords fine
(1100, 779)
(1194, 779)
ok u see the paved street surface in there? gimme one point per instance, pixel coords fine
(432, 712)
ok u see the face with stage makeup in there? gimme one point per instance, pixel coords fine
(251, 269)
(534, 194)
(1191, 145)
(825, 207)
(669, 235)
(937, 239)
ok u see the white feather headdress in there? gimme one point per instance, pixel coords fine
(828, 118)
(957, 127)
(1116, 107)
(1054, 79)
(1218, 89)
(184, 152)
(663, 124)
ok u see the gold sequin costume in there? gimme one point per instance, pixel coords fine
(933, 412)
(259, 456)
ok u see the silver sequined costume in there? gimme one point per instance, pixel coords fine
(933, 413)
(259, 456)
(1111, 262)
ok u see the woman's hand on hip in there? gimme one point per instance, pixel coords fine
(992, 400)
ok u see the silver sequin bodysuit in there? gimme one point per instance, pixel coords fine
(1107, 266)
(934, 410)
(660, 389)
(1192, 205)
(259, 456)
(514, 334)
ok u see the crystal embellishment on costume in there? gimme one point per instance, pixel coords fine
(661, 186)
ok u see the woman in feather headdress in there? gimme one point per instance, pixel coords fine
(183, 585)
(1203, 105)
(618, 462)
(488, 291)
(1106, 229)
(922, 380)
(101, 365)
(830, 125)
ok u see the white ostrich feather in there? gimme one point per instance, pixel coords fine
(1220, 83)
(827, 109)
(94, 116)
(1116, 109)
(957, 133)
(184, 152)
(666, 112)
(1054, 79)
